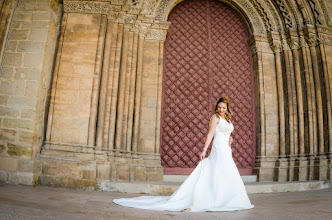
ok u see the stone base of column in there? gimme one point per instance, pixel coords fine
(301, 169)
(19, 170)
(265, 168)
(83, 167)
(321, 167)
(291, 165)
(311, 167)
(281, 169)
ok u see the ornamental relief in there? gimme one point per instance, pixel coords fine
(147, 14)
(244, 6)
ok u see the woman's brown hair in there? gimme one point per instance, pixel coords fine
(228, 114)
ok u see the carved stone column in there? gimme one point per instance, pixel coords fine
(291, 127)
(282, 165)
(321, 161)
(301, 162)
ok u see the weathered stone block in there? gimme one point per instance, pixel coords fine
(154, 173)
(22, 101)
(9, 112)
(18, 87)
(7, 134)
(8, 164)
(2, 147)
(11, 46)
(18, 123)
(23, 16)
(28, 113)
(7, 73)
(35, 24)
(33, 59)
(122, 172)
(6, 87)
(38, 34)
(41, 15)
(27, 73)
(13, 59)
(27, 137)
(31, 88)
(4, 99)
(25, 165)
(16, 150)
(16, 34)
(89, 174)
(3, 176)
(103, 171)
(140, 174)
(21, 178)
(31, 47)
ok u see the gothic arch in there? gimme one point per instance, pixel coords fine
(248, 12)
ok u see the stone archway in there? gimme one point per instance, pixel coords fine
(206, 56)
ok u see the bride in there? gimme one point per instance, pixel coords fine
(214, 185)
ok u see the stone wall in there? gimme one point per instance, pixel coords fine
(103, 115)
(26, 69)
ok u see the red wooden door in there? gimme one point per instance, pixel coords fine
(207, 56)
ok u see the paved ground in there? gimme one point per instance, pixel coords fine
(24, 202)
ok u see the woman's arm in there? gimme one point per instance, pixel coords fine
(212, 127)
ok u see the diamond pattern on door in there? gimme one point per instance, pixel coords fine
(206, 56)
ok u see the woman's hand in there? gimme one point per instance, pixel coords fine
(230, 140)
(203, 154)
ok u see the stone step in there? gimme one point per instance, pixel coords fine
(167, 188)
(182, 178)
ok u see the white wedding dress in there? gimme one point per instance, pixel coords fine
(214, 185)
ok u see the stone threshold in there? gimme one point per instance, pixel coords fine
(167, 188)
(182, 178)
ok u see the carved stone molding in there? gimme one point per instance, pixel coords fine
(111, 10)
(274, 41)
(156, 34)
(243, 6)
(263, 14)
(86, 7)
(310, 35)
(324, 39)
(141, 28)
(285, 13)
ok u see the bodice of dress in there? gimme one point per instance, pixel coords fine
(223, 128)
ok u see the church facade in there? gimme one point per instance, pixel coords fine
(116, 90)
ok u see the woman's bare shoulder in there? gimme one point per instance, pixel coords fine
(214, 118)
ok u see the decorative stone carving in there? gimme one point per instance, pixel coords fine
(285, 14)
(166, 5)
(274, 41)
(315, 11)
(86, 7)
(324, 39)
(263, 14)
(156, 34)
(141, 28)
(326, 17)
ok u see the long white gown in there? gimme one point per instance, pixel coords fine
(214, 185)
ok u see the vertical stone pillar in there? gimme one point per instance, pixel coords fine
(266, 110)
(321, 160)
(138, 92)
(113, 85)
(96, 81)
(291, 99)
(27, 50)
(301, 162)
(282, 164)
(100, 144)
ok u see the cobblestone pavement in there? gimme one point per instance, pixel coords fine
(25, 202)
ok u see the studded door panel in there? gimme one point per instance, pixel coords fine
(206, 57)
